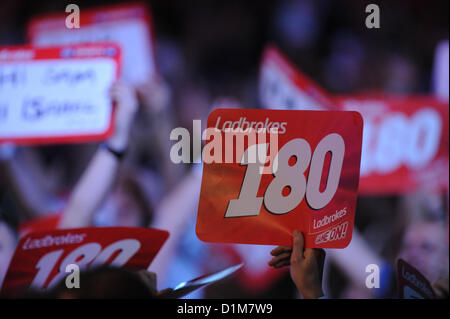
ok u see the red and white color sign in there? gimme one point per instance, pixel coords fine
(411, 283)
(57, 94)
(283, 86)
(405, 143)
(129, 25)
(41, 258)
(309, 181)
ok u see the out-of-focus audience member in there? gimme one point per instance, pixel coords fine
(421, 242)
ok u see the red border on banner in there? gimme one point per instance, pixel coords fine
(137, 10)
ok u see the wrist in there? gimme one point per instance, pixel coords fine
(316, 295)
(119, 141)
(118, 153)
(312, 293)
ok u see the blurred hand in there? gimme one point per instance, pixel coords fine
(306, 265)
(440, 288)
(126, 107)
(155, 95)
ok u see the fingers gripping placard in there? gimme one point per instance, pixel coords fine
(307, 181)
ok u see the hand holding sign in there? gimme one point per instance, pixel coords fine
(306, 265)
(310, 185)
(127, 105)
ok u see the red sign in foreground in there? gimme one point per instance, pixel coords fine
(309, 180)
(41, 259)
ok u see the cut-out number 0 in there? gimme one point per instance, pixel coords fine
(292, 176)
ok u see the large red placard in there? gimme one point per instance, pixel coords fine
(312, 187)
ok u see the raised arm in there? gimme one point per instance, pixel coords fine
(98, 179)
(156, 98)
(173, 214)
(24, 174)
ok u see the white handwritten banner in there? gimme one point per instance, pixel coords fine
(57, 94)
(129, 25)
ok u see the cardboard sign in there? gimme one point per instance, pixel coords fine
(41, 258)
(283, 86)
(440, 80)
(57, 94)
(304, 177)
(411, 283)
(40, 224)
(129, 25)
(186, 287)
(405, 143)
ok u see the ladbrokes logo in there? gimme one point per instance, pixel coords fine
(335, 233)
(229, 142)
(245, 126)
(48, 241)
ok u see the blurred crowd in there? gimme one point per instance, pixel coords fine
(208, 55)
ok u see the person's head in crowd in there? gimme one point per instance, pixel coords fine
(131, 202)
(424, 243)
(106, 282)
(8, 242)
(424, 247)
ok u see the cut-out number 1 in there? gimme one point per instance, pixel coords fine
(291, 176)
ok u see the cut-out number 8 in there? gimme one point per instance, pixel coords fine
(291, 176)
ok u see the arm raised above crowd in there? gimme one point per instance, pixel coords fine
(98, 178)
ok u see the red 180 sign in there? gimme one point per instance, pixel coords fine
(405, 144)
(309, 181)
(41, 258)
